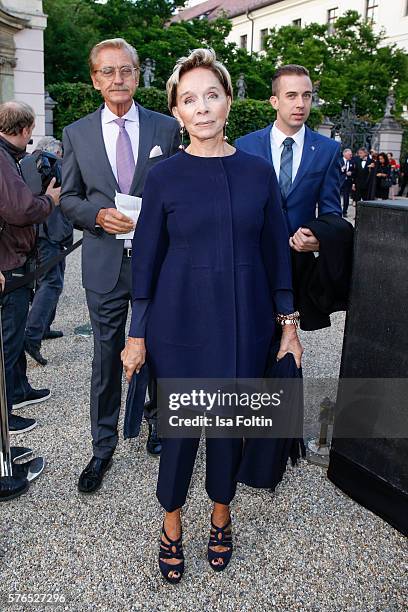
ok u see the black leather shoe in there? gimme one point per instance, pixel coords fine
(34, 396)
(19, 425)
(91, 478)
(34, 352)
(19, 452)
(52, 334)
(153, 445)
(12, 487)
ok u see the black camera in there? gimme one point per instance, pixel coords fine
(39, 168)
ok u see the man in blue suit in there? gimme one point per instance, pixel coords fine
(306, 163)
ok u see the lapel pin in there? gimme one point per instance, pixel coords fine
(312, 147)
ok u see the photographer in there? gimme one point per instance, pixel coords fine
(54, 236)
(20, 209)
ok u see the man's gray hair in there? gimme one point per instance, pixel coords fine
(14, 117)
(347, 150)
(113, 43)
(51, 145)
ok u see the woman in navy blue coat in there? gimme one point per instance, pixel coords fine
(211, 270)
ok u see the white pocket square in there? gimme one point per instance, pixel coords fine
(156, 151)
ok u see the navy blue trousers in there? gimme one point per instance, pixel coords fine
(223, 458)
(14, 315)
(48, 291)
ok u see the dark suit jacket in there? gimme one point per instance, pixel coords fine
(264, 460)
(347, 181)
(321, 284)
(317, 181)
(361, 175)
(88, 184)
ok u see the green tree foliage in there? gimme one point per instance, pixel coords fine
(78, 99)
(349, 61)
(71, 32)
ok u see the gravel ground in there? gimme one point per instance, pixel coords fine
(306, 547)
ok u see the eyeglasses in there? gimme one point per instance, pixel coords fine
(109, 71)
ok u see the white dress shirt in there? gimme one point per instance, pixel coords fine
(277, 138)
(110, 131)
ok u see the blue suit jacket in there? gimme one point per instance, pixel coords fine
(317, 181)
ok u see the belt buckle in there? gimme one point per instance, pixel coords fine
(128, 252)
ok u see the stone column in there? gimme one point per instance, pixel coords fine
(326, 127)
(29, 53)
(49, 114)
(389, 137)
(9, 26)
(7, 65)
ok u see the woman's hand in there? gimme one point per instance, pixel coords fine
(133, 356)
(290, 344)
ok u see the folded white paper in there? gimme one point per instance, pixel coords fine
(129, 206)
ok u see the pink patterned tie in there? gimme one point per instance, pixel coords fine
(125, 162)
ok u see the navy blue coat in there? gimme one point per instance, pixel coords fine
(211, 252)
(317, 182)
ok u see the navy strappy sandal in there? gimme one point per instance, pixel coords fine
(172, 550)
(220, 536)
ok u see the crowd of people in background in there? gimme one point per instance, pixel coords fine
(371, 175)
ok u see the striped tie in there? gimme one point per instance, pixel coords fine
(285, 172)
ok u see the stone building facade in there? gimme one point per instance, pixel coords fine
(252, 19)
(22, 25)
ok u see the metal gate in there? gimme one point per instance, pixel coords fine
(352, 131)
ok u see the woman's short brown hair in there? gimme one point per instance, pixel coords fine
(198, 58)
(14, 117)
(113, 43)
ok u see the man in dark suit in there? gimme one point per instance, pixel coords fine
(347, 172)
(403, 175)
(306, 163)
(361, 177)
(107, 153)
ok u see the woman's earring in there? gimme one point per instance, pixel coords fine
(225, 131)
(182, 130)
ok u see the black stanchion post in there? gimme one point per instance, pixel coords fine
(319, 448)
(5, 458)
